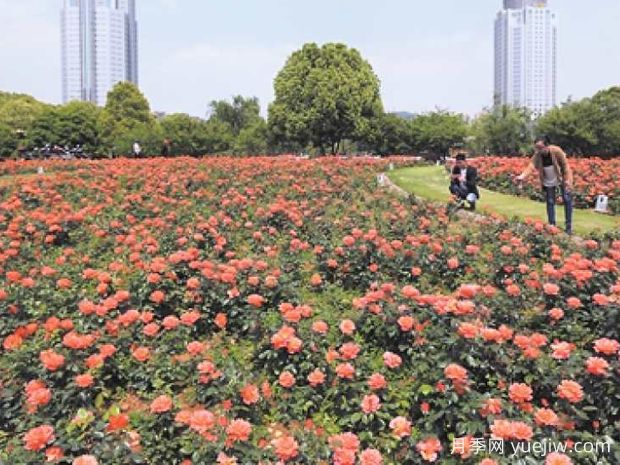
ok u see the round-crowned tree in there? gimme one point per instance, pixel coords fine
(324, 95)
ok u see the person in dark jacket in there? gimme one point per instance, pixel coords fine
(464, 182)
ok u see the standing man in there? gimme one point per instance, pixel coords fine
(137, 150)
(553, 170)
(165, 149)
(464, 181)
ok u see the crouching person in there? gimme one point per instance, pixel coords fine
(464, 182)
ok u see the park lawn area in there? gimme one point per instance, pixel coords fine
(431, 182)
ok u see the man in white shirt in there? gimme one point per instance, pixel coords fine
(137, 149)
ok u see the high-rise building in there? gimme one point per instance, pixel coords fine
(526, 42)
(99, 47)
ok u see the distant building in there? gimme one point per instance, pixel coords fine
(99, 47)
(526, 43)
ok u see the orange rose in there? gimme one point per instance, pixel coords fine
(202, 421)
(520, 393)
(377, 381)
(597, 366)
(12, 342)
(606, 346)
(223, 459)
(117, 422)
(347, 327)
(320, 327)
(37, 438)
(286, 379)
(522, 431)
(157, 297)
(551, 289)
(85, 460)
(345, 371)
(349, 351)
(371, 457)
(370, 404)
(555, 458)
(556, 314)
(401, 427)
(239, 430)
(84, 381)
(286, 448)
(249, 394)
(391, 360)
(455, 372)
(468, 330)
(406, 323)
(546, 417)
(600, 299)
(221, 320)
(141, 354)
(502, 429)
(161, 404)
(571, 391)
(53, 454)
(316, 378)
(429, 449)
(51, 360)
(170, 322)
(256, 300)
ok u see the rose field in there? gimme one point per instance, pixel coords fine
(593, 177)
(285, 311)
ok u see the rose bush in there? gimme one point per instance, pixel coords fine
(228, 311)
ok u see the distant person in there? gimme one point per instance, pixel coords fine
(137, 150)
(165, 149)
(464, 182)
(21, 150)
(553, 171)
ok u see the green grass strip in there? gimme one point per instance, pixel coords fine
(431, 182)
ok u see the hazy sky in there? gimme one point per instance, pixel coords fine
(431, 53)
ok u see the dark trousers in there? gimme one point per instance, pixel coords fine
(550, 195)
(458, 190)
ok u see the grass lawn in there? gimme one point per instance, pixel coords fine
(431, 182)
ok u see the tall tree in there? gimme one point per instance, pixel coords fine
(437, 131)
(607, 120)
(590, 126)
(18, 112)
(571, 126)
(253, 140)
(387, 134)
(324, 95)
(73, 123)
(126, 116)
(503, 130)
(240, 114)
(9, 141)
(194, 136)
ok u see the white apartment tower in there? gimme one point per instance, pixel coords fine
(99, 47)
(526, 55)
